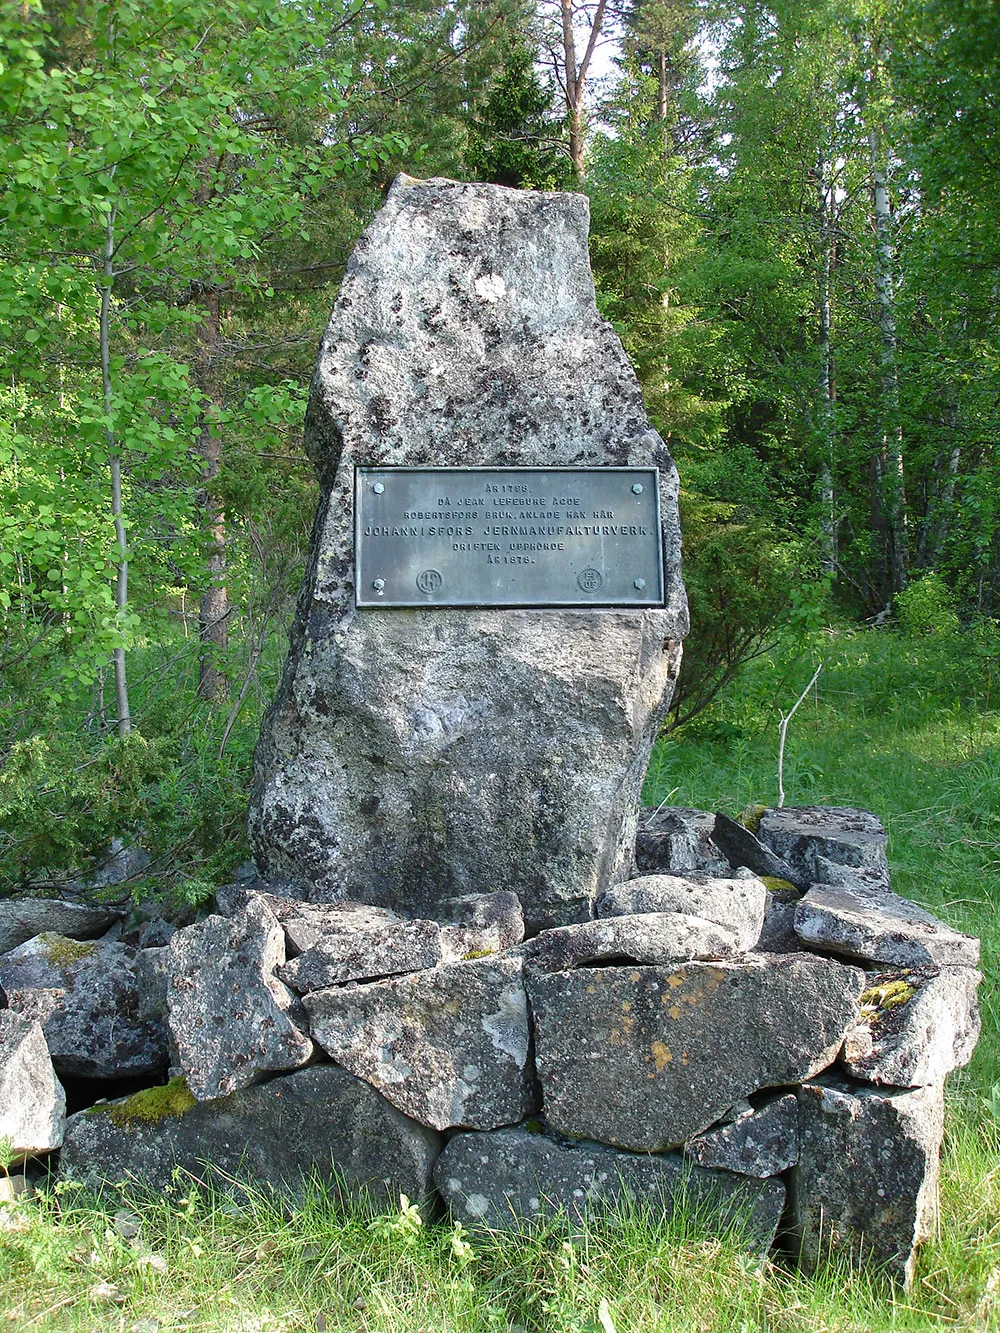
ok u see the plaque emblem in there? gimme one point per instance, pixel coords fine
(589, 580)
(429, 580)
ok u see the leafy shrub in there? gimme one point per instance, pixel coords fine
(927, 606)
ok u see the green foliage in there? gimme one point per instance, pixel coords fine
(514, 135)
(926, 606)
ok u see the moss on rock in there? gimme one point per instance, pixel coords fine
(61, 951)
(170, 1100)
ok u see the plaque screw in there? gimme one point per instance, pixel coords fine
(639, 583)
(378, 488)
(379, 585)
(637, 488)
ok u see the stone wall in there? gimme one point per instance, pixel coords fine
(767, 1051)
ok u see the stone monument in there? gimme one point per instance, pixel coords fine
(423, 751)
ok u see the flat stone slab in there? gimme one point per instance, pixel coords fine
(762, 1142)
(510, 1178)
(652, 937)
(450, 1046)
(875, 925)
(32, 1101)
(736, 904)
(94, 1004)
(305, 923)
(365, 954)
(676, 840)
(23, 918)
(418, 756)
(480, 923)
(866, 1182)
(918, 1024)
(810, 836)
(320, 1123)
(231, 1020)
(744, 848)
(647, 1057)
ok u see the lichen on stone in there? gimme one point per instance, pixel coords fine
(878, 1000)
(750, 817)
(477, 953)
(169, 1101)
(61, 951)
(781, 888)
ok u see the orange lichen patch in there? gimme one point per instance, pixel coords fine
(661, 1056)
(673, 981)
(674, 1011)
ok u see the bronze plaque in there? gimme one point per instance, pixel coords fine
(514, 537)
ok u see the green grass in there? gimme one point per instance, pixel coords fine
(899, 726)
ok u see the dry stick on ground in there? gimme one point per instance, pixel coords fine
(783, 732)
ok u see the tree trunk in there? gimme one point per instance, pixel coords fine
(214, 608)
(575, 80)
(827, 383)
(114, 459)
(892, 430)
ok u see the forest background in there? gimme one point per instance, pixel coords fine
(794, 232)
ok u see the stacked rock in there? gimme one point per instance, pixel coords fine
(656, 1052)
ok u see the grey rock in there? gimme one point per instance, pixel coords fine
(809, 837)
(156, 933)
(450, 1046)
(762, 1142)
(23, 918)
(417, 756)
(305, 923)
(32, 1101)
(737, 904)
(744, 848)
(647, 1057)
(319, 1123)
(917, 1026)
(673, 839)
(385, 950)
(877, 926)
(512, 1177)
(777, 934)
(231, 1020)
(481, 923)
(118, 864)
(651, 937)
(866, 1182)
(91, 999)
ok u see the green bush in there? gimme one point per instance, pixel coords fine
(927, 606)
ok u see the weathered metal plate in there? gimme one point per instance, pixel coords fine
(507, 537)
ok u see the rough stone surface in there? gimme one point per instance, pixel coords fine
(866, 1181)
(744, 848)
(652, 937)
(92, 1001)
(418, 755)
(320, 1121)
(305, 923)
(384, 950)
(510, 1177)
(674, 839)
(737, 904)
(777, 934)
(762, 1142)
(450, 1046)
(809, 836)
(917, 1026)
(23, 918)
(877, 926)
(231, 1020)
(481, 923)
(117, 864)
(647, 1057)
(32, 1101)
